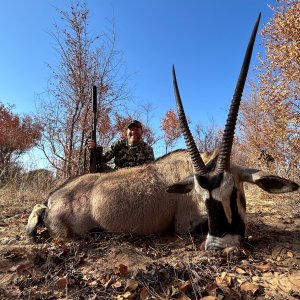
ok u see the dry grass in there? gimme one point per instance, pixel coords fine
(108, 266)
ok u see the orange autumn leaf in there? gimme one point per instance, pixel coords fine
(249, 287)
(121, 269)
(263, 267)
(17, 133)
(171, 127)
(269, 119)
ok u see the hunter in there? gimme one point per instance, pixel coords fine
(129, 152)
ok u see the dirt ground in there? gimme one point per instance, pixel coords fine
(110, 266)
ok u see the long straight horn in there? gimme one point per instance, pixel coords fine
(227, 140)
(198, 163)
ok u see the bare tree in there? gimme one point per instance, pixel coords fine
(84, 61)
(207, 138)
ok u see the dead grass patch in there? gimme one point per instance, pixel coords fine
(109, 266)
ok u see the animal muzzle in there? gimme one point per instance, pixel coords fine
(220, 243)
(35, 219)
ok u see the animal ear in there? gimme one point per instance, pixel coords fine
(182, 187)
(268, 182)
(276, 185)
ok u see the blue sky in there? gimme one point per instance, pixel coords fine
(206, 41)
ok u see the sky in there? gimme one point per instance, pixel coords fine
(205, 40)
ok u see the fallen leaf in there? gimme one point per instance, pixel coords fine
(210, 298)
(224, 280)
(264, 268)
(144, 294)
(131, 285)
(240, 271)
(244, 262)
(211, 289)
(290, 254)
(121, 269)
(85, 277)
(93, 283)
(103, 278)
(117, 284)
(61, 243)
(63, 282)
(249, 287)
(126, 295)
(257, 278)
(185, 285)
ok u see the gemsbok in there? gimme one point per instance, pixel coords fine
(153, 198)
(221, 188)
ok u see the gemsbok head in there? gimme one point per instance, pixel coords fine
(221, 187)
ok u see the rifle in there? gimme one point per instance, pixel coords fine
(96, 153)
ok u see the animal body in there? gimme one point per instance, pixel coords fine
(221, 187)
(130, 200)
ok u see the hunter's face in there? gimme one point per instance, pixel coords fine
(134, 134)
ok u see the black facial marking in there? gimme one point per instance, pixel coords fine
(209, 182)
(217, 221)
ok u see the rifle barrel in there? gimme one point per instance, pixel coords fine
(93, 158)
(94, 95)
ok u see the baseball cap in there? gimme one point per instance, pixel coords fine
(136, 123)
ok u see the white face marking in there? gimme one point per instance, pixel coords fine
(223, 194)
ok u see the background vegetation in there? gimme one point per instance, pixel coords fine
(268, 125)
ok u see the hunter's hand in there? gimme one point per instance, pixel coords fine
(91, 144)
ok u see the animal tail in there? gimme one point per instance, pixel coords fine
(35, 219)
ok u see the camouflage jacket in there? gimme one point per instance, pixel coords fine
(126, 155)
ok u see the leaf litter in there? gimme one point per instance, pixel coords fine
(110, 266)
